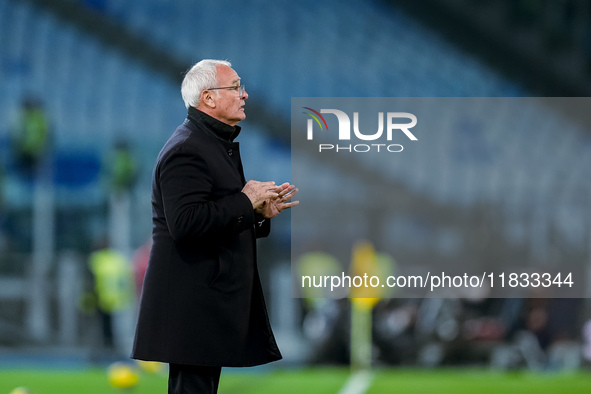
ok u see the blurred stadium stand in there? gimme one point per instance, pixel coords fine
(545, 45)
(111, 69)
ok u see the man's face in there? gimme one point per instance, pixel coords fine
(230, 104)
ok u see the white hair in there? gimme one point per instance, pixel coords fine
(202, 76)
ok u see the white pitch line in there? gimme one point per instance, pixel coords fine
(358, 383)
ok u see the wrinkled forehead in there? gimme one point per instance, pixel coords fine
(226, 76)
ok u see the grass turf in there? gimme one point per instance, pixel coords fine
(457, 381)
(309, 381)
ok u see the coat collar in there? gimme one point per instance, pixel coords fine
(220, 129)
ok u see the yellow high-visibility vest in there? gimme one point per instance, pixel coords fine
(113, 280)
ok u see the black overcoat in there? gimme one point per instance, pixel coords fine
(202, 301)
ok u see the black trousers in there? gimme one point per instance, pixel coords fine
(193, 379)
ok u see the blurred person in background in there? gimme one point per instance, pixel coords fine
(30, 136)
(556, 324)
(202, 304)
(122, 168)
(112, 294)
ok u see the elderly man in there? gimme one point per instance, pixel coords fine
(202, 304)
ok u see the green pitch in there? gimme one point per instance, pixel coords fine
(309, 381)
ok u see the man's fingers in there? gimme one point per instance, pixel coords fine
(286, 188)
(272, 194)
(288, 195)
(287, 205)
(279, 194)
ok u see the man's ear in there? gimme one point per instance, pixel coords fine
(207, 98)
